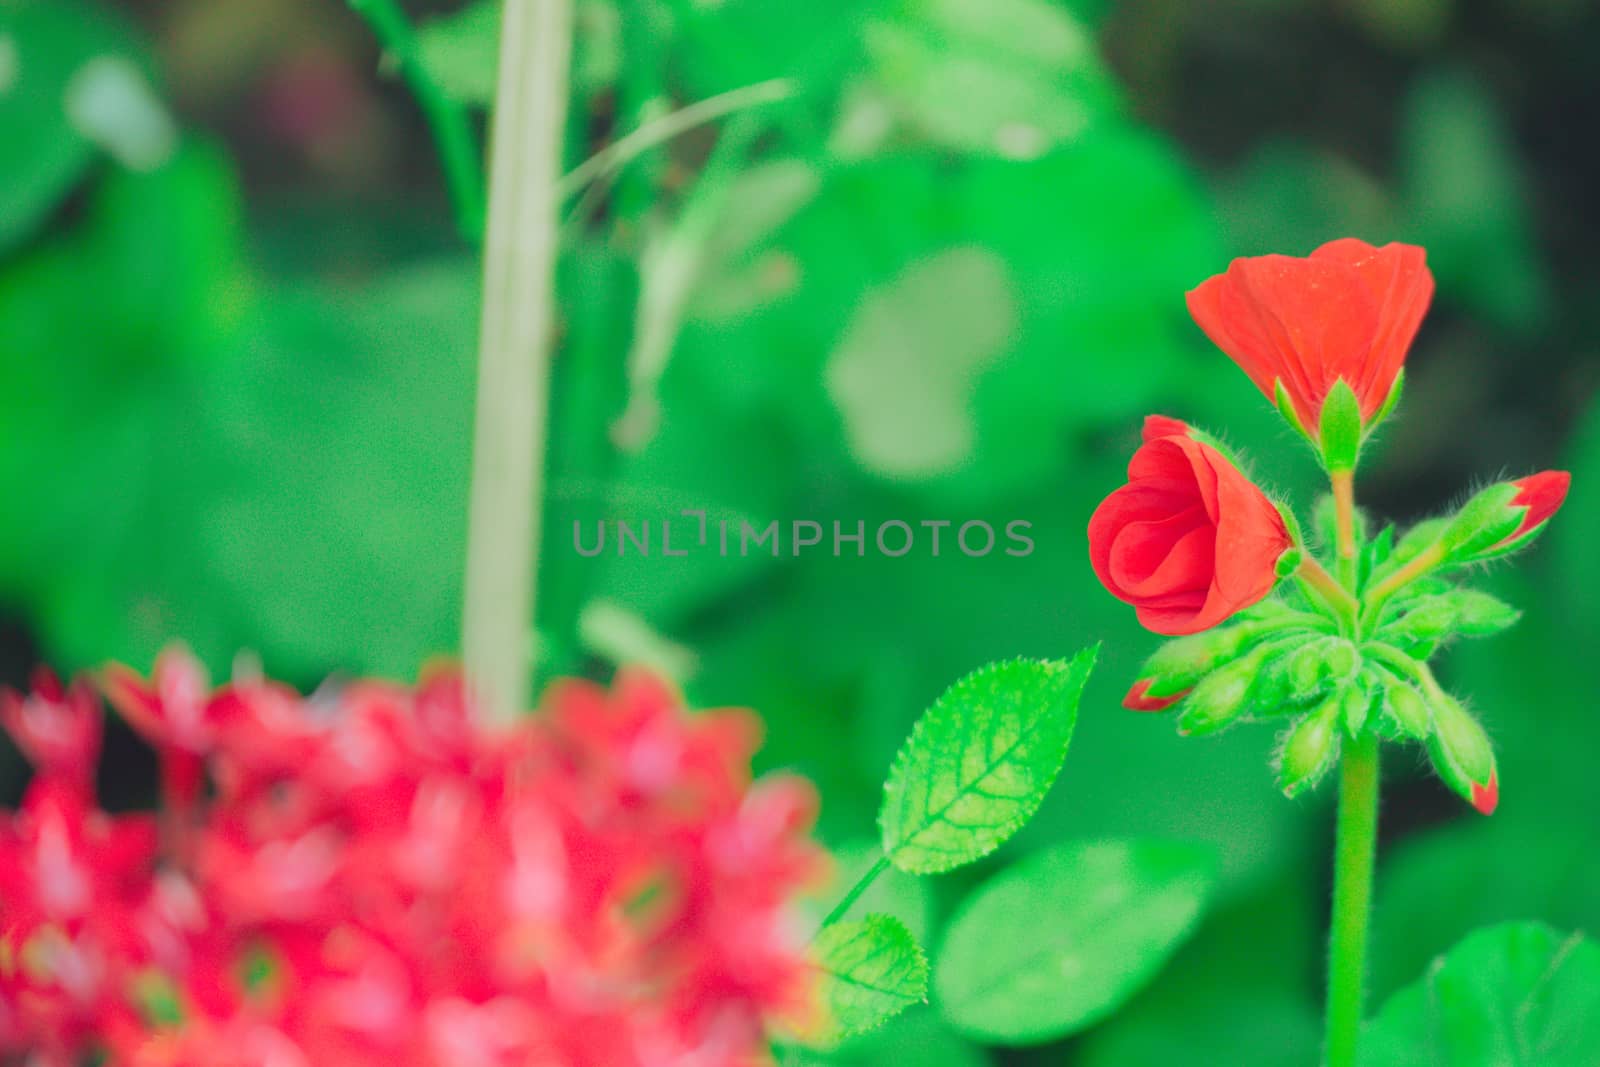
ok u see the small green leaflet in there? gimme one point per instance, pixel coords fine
(979, 762)
(872, 969)
(1064, 937)
(1513, 995)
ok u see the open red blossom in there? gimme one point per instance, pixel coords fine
(1189, 540)
(375, 879)
(1348, 311)
(1541, 495)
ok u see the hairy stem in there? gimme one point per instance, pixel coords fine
(1344, 510)
(448, 120)
(1354, 853)
(1325, 586)
(514, 352)
(1421, 564)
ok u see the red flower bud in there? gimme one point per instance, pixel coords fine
(1138, 698)
(1487, 797)
(1189, 540)
(1542, 495)
(1347, 311)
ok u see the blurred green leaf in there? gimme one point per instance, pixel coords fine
(1436, 887)
(911, 338)
(979, 762)
(1057, 941)
(872, 971)
(1506, 996)
(1013, 78)
(48, 52)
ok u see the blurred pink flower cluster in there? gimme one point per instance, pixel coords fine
(368, 876)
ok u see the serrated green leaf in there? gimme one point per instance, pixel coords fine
(1059, 940)
(979, 762)
(1514, 995)
(872, 971)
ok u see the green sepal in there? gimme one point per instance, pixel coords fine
(1389, 405)
(1375, 554)
(1285, 406)
(1339, 434)
(1482, 524)
(1289, 562)
(1309, 748)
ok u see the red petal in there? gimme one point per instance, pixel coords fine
(1139, 700)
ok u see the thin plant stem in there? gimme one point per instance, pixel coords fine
(1315, 575)
(1355, 850)
(514, 353)
(1419, 565)
(841, 909)
(617, 154)
(1344, 510)
(449, 121)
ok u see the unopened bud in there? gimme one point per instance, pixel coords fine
(1462, 755)
(1403, 712)
(1219, 700)
(1504, 517)
(1309, 748)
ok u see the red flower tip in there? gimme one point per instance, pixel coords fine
(1348, 310)
(1138, 698)
(1542, 494)
(1158, 426)
(1487, 797)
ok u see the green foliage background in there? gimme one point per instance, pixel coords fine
(941, 280)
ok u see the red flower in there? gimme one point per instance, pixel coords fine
(1348, 311)
(1189, 540)
(1139, 698)
(378, 880)
(1542, 495)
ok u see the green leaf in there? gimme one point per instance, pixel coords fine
(979, 762)
(916, 341)
(1062, 938)
(1514, 995)
(1012, 78)
(873, 970)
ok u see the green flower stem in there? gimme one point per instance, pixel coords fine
(514, 353)
(1344, 510)
(1421, 564)
(1354, 854)
(862, 884)
(1330, 590)
(448, 120)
